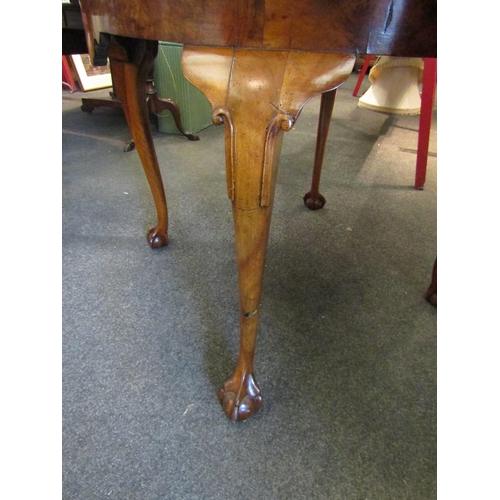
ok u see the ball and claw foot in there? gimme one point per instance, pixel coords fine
(240, 399)
(157, 239)
(314, 202)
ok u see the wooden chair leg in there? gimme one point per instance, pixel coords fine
(129, 79)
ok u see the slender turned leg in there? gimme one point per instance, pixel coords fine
(257, 95)
(313, 199)
(131, 61)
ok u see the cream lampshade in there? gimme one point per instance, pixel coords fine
(394, 86)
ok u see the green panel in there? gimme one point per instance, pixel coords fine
(171, 83)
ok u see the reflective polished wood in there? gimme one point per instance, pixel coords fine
(391, 27)
(258, 62)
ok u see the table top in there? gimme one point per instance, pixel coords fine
(383, 27)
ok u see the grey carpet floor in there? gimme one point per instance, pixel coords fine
(346, 357)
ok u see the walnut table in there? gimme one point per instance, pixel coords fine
(258, 62)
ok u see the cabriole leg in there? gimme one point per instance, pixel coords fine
(131, 61)
(257, 95)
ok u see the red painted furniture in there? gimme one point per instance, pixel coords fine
(429, 79)
(67, 77)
